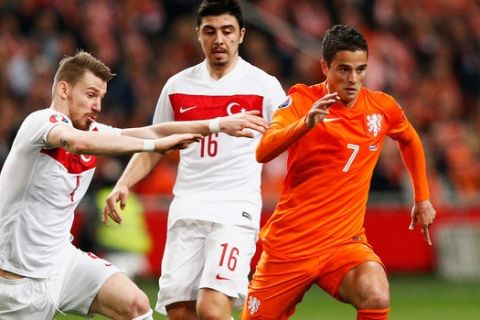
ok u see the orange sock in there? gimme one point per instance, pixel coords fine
(373, 314)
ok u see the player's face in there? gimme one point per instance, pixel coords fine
(346, 74)
(220, 37)
(85, 100)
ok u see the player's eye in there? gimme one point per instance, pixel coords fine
(362, 69)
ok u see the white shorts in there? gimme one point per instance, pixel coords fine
(72, 290)
(203, 254)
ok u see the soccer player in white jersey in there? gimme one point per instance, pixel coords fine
(214, 217)
(44, 177)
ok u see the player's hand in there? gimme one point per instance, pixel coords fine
(423, 214)
(235, 124)
(176, 142)
(111, 209)
(320, 109)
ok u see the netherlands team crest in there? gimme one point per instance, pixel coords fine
(253, 305)
(374, 123)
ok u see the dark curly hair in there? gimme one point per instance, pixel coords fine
(341, 38)
(218, 7)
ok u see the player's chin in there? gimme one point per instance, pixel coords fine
(81, 125)
(219, 61)
(86, 125)
(349, 95)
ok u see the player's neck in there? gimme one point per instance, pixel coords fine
(217, 72)
(60, 107)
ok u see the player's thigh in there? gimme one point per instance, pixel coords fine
(228, 251)
(25, 299)
(82, 280)
(366, 286)
(337, 276)
(277, 287)
(119, 296)
(183, 262)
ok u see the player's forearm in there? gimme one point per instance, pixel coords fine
(97, 143)
(138, 168)
(168, 128)
(278, 139)
(414, 160)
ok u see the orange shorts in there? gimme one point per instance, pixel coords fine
(278, 285)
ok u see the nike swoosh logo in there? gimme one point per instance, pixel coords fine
(219, 277)
(331, 119)
(185, 109)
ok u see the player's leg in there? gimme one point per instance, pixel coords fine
(93, 285)
(223, 286)
(182, 265)
(185, 310)
(120, 298)
(277, 287)
(366, 286)
(213, 304)
(355, 274)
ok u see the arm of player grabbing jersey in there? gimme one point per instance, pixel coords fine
(285, 129)
(232, 125)
(413, 157)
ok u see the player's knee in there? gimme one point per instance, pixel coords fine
(379, 300)
(376, 298)
(137, 305)
(210, 313)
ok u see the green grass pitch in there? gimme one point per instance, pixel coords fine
(413, 297)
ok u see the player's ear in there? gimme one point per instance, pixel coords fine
(197, 30)
(242, 34)
(62, 89)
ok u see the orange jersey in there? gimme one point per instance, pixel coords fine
(329, 168)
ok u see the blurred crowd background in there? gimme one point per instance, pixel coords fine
(426, 53)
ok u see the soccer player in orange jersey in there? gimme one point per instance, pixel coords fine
(334, 132)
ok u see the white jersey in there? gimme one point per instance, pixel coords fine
(40, 188)
(218, 178)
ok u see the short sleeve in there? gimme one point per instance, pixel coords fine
(273, 98)
(164, 109)
(38, 125)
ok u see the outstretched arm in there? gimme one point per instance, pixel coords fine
(413, 156)
(233, 125)
(101, 143)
